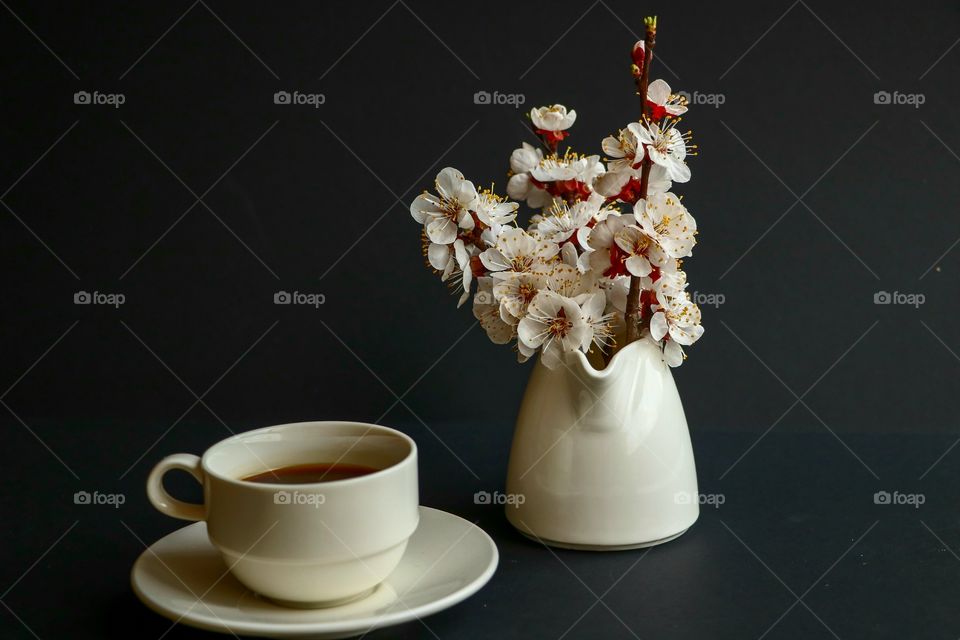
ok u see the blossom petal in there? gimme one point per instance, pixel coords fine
(594, 305)
(423, 205)
(442, 231)
(538, 198)
(686, 335)
(659, 181)
(678, 171)
(580, 337)
(611, 183)
(611, 146)
(519, 186)
(525, 351)
(660, 158)
(546, 250)
(569, 254)
(493, 260)
(460, 251)
(658, 92)
(438, 255)
(466, 193)
(448, 182)
(531, 332)
(638, 266)
(672, 354)
(466, 220)
(641, 132)
(658, 326)
(525, 158)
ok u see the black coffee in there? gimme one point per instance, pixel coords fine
(310, 473)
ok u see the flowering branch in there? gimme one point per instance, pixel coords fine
(632, 315)
(602, 252)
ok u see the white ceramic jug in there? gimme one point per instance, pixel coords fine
(601, 459)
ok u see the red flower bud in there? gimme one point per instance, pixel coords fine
(639, 54)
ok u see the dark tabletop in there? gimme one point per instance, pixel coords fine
(799, 547)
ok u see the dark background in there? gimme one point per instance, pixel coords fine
(804, 396)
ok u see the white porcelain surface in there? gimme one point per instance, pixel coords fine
(303, 544)
(603, 457)
(447, 560)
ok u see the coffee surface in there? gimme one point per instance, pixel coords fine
(311, 473)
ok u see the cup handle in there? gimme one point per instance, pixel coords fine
(163, 501)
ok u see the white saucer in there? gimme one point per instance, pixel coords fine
(182, 577)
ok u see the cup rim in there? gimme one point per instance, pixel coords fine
(411, 455)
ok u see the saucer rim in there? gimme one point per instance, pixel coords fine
(297, 629)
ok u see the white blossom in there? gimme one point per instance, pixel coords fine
(441, 215)
(555, 325)
(553, 118)
(570, 166)
(493, 210)
(664, 101)
(517, 251)
(560, 283)
(665, 220)
(679, 322)
(666, 147)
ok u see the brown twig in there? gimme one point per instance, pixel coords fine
(632, 314)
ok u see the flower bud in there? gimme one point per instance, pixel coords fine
(639, 54)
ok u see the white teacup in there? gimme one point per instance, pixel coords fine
(306, 545)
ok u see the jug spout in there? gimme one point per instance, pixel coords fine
(610, 398)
